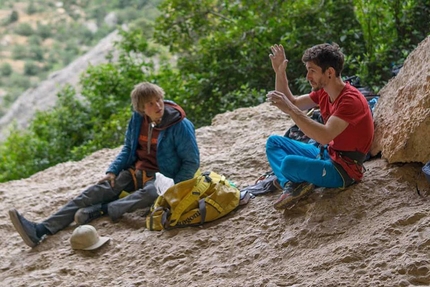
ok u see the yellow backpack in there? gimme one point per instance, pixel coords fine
(206, 197)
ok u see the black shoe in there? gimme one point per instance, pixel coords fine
(86, 214)
(25, 228)
(292, 192)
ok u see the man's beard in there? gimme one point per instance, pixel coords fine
(317, 87)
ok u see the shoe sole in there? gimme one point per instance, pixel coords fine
(13, 214)
(290, 201)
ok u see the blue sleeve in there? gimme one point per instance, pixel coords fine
(124, 159)
(187, 149)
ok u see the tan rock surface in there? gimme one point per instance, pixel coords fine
(402, 114)
(376, 233)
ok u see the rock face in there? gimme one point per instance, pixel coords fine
(375, 233)
(44, 95)
(402, 114)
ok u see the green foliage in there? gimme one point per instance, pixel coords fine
(19, 52)
(62, 129)
(5, 69)
(13, 17)
(49, 140)
(84, 35)
(34, 40)
(14, 155)
(30, 68)
(217, 39)
(224, 45)
(17, 80)
(44, 31)
(32, 8)
(36, 53)
(24, 29)
(391, 29)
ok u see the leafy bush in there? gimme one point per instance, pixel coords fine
(13, 17)
(32, 8)
(19, 52)
(44, 31)
(31, 68)
(34, 40)
(5, 69)
(17, 80)
(24, 29)
(36, 53)
(49, 139)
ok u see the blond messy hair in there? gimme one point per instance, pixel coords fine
(144, 93)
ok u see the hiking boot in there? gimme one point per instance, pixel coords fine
(25, 228)
(291, 193)
(86, 214)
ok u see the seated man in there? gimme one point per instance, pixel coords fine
(347, 132)
(158, 139)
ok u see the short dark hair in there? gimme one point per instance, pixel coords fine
(325, 56)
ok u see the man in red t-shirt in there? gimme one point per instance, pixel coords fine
(347, 131)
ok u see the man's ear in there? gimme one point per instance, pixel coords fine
(331, 72)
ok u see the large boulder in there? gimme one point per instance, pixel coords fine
(402, 114)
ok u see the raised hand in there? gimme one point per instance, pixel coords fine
(279, 61)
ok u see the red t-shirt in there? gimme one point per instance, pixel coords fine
(352, 107)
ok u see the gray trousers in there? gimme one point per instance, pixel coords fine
(141, 197)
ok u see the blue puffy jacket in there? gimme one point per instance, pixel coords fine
(177, 151)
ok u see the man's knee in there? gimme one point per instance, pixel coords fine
(273, 141)
(151, 190)
(97, 193)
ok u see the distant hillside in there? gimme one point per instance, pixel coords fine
(44, 95)
(40, 37)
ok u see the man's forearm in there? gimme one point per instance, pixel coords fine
(281, 84)
(311, 128)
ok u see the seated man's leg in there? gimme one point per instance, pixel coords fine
(32, 233)
(320, 172)
(303, 174)
(141, 198)
(279, 147)
(95, 194)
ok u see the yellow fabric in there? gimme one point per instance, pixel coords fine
(123, 194)
(179, 206)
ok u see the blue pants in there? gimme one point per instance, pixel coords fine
(295, 161)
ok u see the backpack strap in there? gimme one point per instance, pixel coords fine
(202, 184)
(165, 212)
(350, 157)
(202, 209)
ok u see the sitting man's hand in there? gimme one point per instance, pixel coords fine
(109, 177)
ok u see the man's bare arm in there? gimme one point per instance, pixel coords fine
(322, 133)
